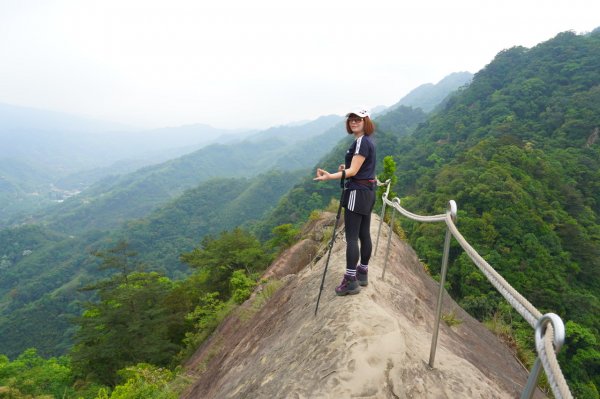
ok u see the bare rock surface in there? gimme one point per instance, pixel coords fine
(375, 344)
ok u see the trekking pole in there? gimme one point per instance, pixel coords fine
(337, 218)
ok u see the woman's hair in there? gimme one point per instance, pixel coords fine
(369, 126)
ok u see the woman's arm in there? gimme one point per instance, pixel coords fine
(355, 165)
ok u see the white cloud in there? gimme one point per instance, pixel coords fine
(253, 64)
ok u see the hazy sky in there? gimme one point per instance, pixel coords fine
(254, 63)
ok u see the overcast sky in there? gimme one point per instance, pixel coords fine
(254, 63)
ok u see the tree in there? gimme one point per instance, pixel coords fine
(241, 286)
(580, 359)
(389, 172)
(145, 381)
(205, 318)
(129, 324)
(218, 258)
(30, 374)
(120, 260)
(284, 236)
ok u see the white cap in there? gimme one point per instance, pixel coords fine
(359, 111)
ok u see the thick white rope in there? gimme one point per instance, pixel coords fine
(547, 353)
(544, 347)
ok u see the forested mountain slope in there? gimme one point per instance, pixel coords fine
(116, 199)
(519, 151)
(41, 271)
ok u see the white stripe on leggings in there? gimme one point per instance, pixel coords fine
(352, 200)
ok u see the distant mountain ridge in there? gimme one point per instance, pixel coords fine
(65, 143)
(58, 152)
(15, 117)
(427, 96)
(116, 199)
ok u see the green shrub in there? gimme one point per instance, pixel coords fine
(241, 286)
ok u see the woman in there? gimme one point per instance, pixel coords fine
(358, 199)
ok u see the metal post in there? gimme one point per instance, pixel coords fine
(387, 191)
(387, 252)
(380, 223)
(436, 326)
(532, 380)
(559, 339)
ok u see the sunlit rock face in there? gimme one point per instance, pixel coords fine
(375, 344)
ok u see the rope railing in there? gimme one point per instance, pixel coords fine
(549, 328)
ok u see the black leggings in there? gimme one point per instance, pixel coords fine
(358, 227)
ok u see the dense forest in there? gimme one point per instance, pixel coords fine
(139, 325)
(517, 149)
(32, 296)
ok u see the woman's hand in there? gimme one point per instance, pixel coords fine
(322, 175)
(341, 167)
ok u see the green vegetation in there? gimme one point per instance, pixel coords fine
(36, 302)
(518, 150)
(450, 319)
(29, 374)
(141, 325)
(147, 381)
(133, 321)
(388, 173)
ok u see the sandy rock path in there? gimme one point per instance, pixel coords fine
(375, 344)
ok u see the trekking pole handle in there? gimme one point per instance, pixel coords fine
(343, 178)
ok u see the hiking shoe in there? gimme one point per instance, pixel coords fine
(349, 285)
(362, 275)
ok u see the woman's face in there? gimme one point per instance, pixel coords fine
(357, 124)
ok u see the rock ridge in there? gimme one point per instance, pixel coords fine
(375, 344)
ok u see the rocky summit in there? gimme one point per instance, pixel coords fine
(375, 344)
